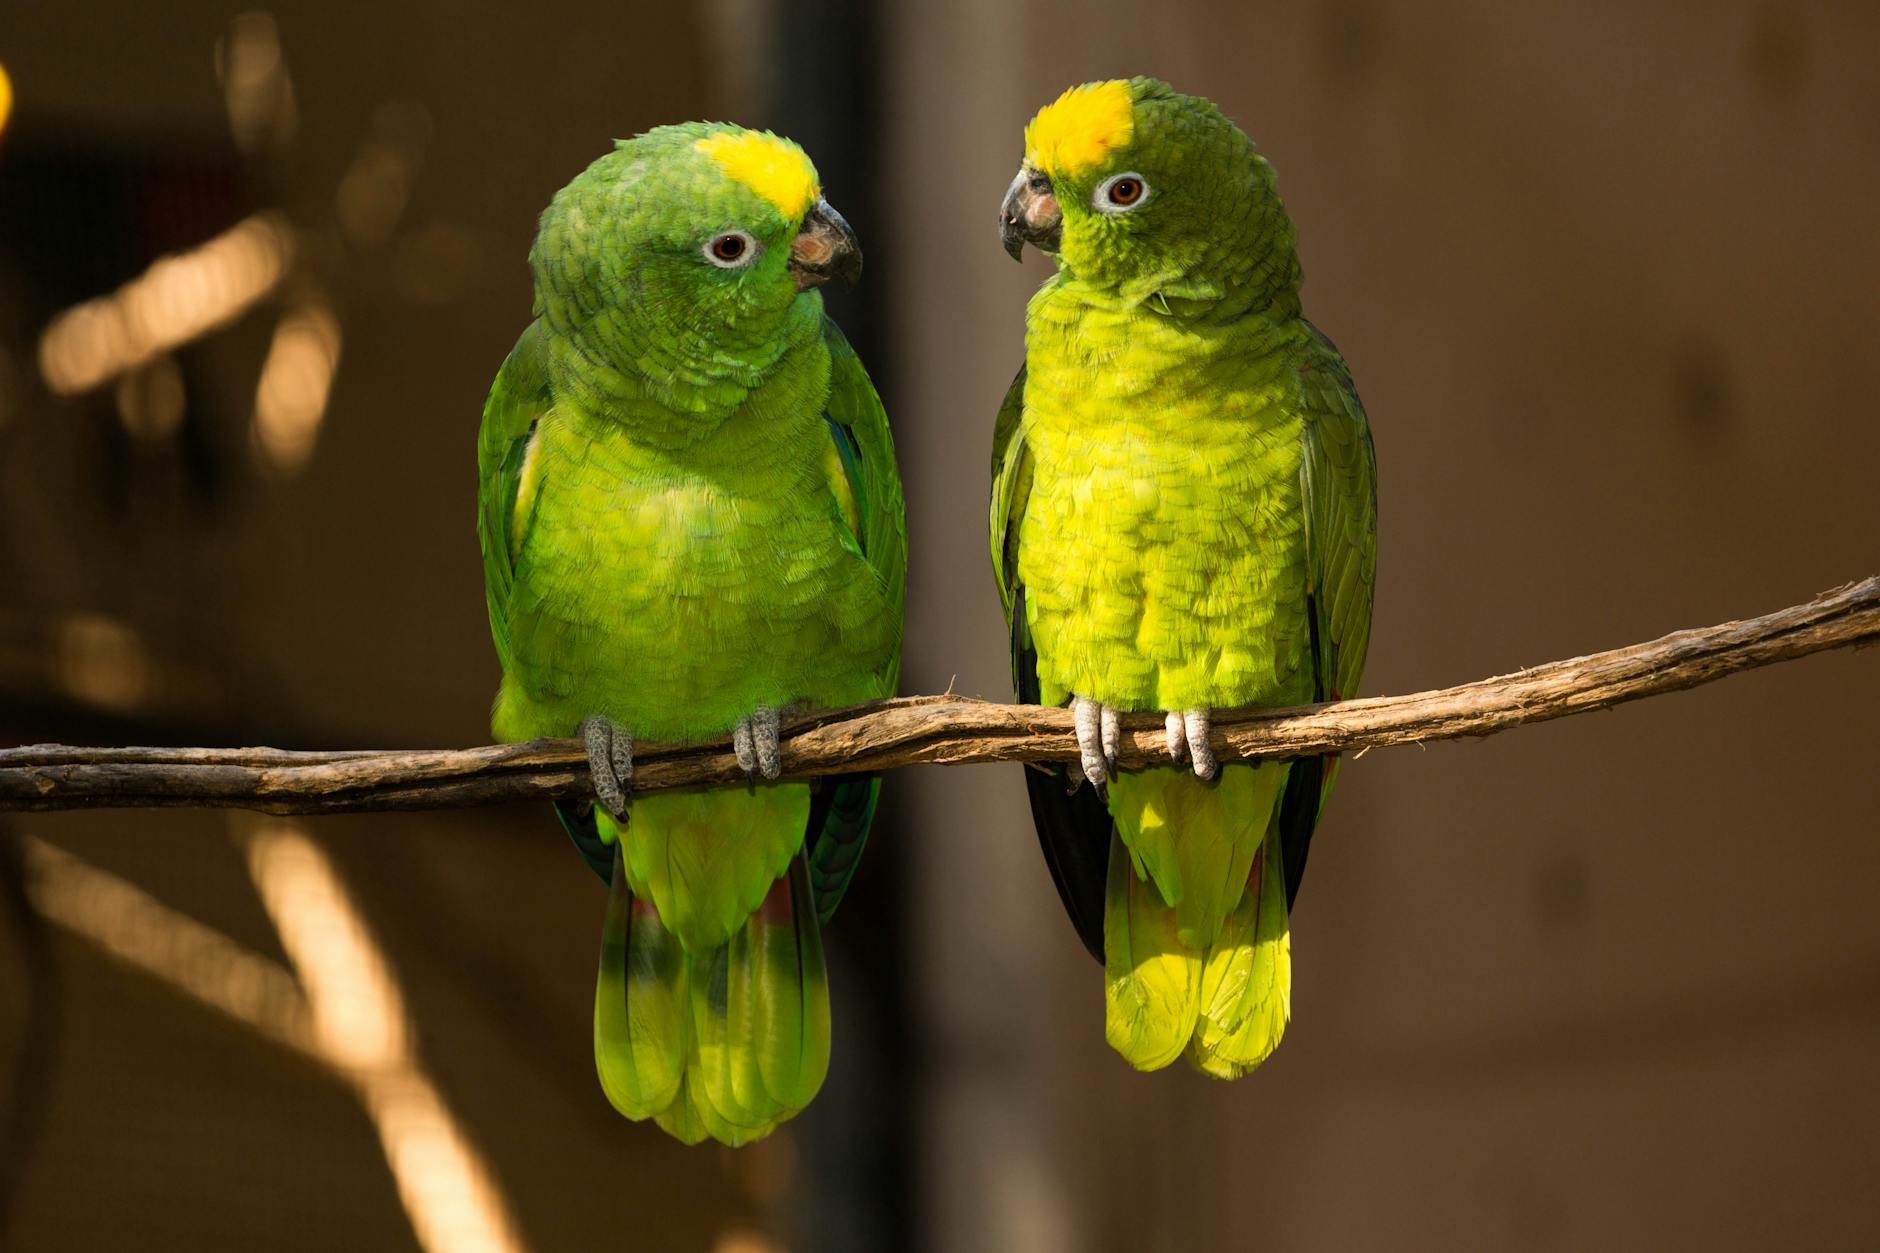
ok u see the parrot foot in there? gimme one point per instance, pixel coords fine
(756, 742)
(610, 761)
(1097, 735)
(1188, 737)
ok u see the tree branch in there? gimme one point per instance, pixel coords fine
(916, 730)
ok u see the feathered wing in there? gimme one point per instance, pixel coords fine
(506, 487)
(518, 400)
(1072, 822)
(1338, 478)
(868, 487)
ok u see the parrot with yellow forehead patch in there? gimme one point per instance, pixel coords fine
(691, 519)
(1184, 519)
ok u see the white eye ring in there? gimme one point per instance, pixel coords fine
(731, 250)
(1104, 200)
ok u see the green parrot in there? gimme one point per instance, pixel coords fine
(691, 519)
(1184, 518)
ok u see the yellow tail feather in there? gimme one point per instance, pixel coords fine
(727, 1043)
(640, 1019)
(1152, 981)
(1194, 962)
(1196, 839)
(1246, 984)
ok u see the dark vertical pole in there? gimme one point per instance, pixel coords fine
(856, 1188)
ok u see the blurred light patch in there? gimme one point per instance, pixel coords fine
(6, 98)
(100, 661)
(297, 377)
(135, 928)
(436, 264)
(358, 1014)
(740, 1240)
(453, 1202)
(256, 88)
(178, 299)
(359, 1024)
(770, 1167)
(151, 400)
(373, 192)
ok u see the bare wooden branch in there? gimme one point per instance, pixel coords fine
(917, 730)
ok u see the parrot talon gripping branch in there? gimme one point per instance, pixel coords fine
(610, 759)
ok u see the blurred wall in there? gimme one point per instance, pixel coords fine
(1606, 276)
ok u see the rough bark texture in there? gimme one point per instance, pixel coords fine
(917, 730)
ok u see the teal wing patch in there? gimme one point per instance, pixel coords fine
(517, 400)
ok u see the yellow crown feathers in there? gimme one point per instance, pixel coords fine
(1080, 128)
(773, 167)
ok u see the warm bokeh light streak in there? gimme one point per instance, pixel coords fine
(178, 299)
(358, 1013)
(345, 1012)
(296, 379)
(257, 89)
(360, 1025)
(142, 932)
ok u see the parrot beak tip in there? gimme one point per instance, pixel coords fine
(825, 247)
(1030, 215)
(1013, 241)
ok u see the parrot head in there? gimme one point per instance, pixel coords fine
(687, 252)
(1136, 188)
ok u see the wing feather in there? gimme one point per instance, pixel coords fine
(1338, 480)
(518, 399)
(870, 499)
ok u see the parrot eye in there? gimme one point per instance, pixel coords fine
(731, 250)
(1120, 192)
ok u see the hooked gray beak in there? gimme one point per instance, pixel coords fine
(1030, 214)
(824, 248)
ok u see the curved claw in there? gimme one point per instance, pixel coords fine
(756, 742)
(1195, 731)
(610, 761)
(1096, 738)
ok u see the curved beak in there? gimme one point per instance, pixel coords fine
(1030, 214)
(824, 248)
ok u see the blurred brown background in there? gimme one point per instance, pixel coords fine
(1608, 277)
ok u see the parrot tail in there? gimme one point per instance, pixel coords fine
(728, 1042)
(1197, 951)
